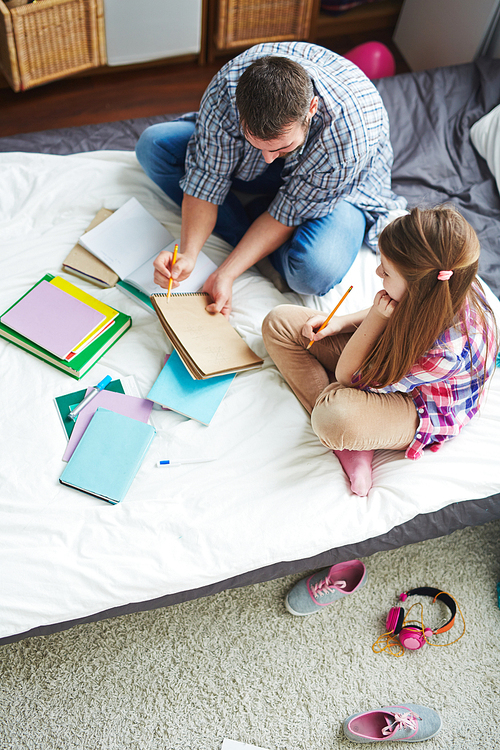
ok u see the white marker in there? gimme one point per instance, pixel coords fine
(92, 394)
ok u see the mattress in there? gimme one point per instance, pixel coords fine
(274, 500)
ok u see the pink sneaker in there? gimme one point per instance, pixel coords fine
(325, 587)
(406, 723)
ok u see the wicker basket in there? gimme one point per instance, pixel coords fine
(246, 22)
(50, 39)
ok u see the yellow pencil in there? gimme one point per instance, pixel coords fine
(330, 316)
(171, 269)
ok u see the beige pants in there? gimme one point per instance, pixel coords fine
(342, 418)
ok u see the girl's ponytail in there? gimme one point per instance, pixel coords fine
(437, 253)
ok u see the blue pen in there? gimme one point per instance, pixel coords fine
(92, 394)
(180, 461)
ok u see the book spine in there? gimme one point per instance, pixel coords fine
(86, 277)
(41, 355)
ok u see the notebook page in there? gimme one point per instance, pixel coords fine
(143, 277)
(127, 239)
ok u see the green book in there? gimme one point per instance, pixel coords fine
(137, 295)
(81, 363)
(64, 404)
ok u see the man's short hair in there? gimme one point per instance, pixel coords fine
(273, 92)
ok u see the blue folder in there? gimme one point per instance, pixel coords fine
(176, 389)
(108, 456)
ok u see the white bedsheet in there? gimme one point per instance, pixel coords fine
(274, 493)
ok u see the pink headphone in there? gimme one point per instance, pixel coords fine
(411, 636)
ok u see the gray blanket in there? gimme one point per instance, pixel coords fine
(431, 113)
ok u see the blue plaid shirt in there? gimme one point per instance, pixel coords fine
(347, 154)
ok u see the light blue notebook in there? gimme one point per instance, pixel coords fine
(108, 456)
(196, 399)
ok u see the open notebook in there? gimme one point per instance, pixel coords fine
(207, 343)
(128, 241)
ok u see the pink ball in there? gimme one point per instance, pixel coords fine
(374, 59)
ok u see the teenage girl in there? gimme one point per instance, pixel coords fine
(408, 372)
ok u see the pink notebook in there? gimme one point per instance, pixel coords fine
(53, 319)
(128, 406)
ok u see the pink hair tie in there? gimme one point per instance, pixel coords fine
(445, 275)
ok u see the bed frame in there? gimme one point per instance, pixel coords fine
(430, 113)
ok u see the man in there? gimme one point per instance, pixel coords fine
(304, 131)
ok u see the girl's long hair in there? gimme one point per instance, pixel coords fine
(420, 245)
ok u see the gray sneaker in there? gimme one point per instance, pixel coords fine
(406, 723)
(325, 587)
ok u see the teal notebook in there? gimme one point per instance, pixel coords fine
(176, 389)
(140, 297)
(66, 403)
(108, 456)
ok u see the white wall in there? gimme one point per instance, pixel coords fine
(494, 47)
(141, 30)
(433, 33)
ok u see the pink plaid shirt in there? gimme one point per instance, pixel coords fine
(445, 383)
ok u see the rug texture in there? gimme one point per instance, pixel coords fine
(237, 665)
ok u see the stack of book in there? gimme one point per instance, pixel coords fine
(107, 443)
(119, 248)
(63, 325)
(80, 262)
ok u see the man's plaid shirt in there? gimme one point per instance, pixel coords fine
(347, 154)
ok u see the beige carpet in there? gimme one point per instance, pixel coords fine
(237, 665)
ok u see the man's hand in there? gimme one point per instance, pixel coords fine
(262, 237)
(198, 221)
(220, 288)
(163, 269)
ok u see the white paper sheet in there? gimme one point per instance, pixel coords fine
(234, 745)
(127, 239)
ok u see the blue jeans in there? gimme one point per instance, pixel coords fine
(312, 261)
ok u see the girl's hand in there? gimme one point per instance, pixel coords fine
(310, 328)
(383, 304)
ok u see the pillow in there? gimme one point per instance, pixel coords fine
(485, 136)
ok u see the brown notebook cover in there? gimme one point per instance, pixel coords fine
(83, 264)
(207, 343)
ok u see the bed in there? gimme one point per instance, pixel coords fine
(274, 501)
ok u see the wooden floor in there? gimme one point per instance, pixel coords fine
(110, 95)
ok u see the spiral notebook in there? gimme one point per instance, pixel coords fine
(207, 343)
